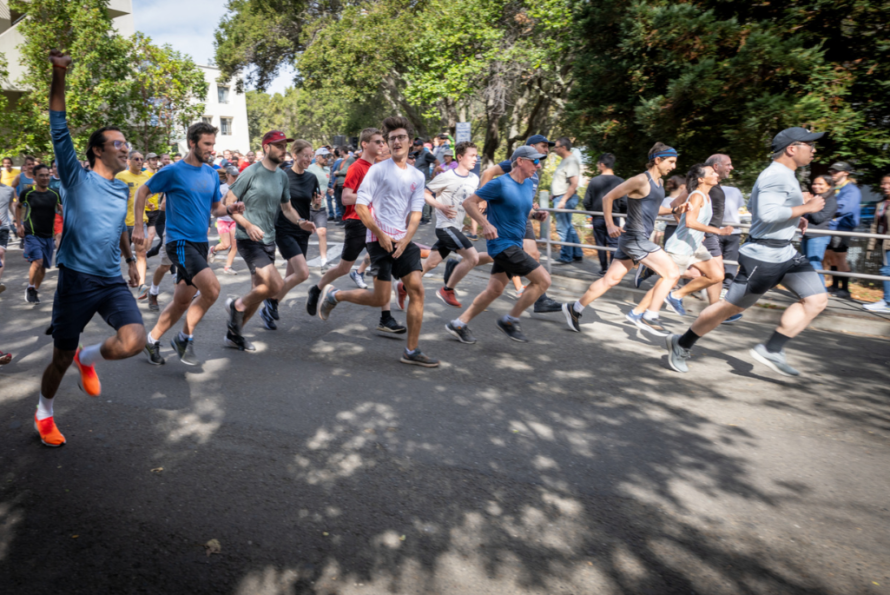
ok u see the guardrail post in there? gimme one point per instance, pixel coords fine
(544, 203)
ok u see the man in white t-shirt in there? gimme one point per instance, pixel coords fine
(390, 203)
(446, 193)
(729, 245)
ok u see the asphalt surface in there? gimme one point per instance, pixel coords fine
(577, 463)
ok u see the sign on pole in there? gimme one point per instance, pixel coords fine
(462, 132)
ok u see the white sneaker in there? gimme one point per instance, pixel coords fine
(878, 306)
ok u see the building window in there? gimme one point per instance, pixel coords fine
(222, 94)
(207, 120)
(225, 126)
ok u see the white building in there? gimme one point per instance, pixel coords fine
(227, 110)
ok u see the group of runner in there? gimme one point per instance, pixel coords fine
(384, 199)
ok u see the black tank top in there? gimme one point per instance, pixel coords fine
(641, 212)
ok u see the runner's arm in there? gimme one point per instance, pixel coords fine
(70, 169)
(624, 188)
(694, 205)
(471, 206)
(348, 196)
(489, 174)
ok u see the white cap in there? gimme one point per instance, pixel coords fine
(322, 151)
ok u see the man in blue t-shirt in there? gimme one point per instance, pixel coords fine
(510, 203)
(191, 188)
(89, 281)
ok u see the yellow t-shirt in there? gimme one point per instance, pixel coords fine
(133, 182)
(6, 177)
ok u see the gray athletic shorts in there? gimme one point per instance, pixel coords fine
(635, 246)
(756, 277)
(712, 243)
(319, 218)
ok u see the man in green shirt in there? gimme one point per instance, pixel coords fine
(317, 212)
(263, 188)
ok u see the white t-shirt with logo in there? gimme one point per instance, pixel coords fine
(452, 190)
(392, 194)
(223, 190)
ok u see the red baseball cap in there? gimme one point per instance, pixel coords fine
(275, 136)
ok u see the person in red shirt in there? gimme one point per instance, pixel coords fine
(372, 144)
(250, 160)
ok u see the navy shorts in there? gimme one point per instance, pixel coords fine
(190, 258)
(291, 243)
(39, 249)
(79, 296)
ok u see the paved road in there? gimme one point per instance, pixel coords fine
(573, 464)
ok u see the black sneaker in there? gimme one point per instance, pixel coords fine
(545, 305)
(419, 359)
(237, 342)
(312, 300)
(153, 352)
(391, 325)
(512, 330)
(236, 318)
(449, 268)
(462, 333)
(185, 350)
(572, 318)
(31, 296)
(272, 305)
(268, 319)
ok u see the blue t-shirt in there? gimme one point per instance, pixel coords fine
(509, 204)
(507, 167)
(191, 192)
(94, 209)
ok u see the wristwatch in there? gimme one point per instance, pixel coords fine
(131, 260)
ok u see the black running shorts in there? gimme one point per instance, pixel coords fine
(712, 243)
(355, 240)
(190, 258)
(256, 254)
(756, 277)
(450, 239)
(387, 266)
(153, 217)
(514, 261)
(291, 243)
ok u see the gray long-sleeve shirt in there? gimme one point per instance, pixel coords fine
(775, 193)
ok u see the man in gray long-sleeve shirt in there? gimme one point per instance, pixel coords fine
(768, 258)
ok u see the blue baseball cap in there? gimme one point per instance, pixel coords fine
(539, 138)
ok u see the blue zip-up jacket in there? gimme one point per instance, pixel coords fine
(847, 216)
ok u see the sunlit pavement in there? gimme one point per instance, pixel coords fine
(576, 463)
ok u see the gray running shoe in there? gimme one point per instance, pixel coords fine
(391, 325)
(328, 301)
(153, 352)
(677, 356)
(153, 302)
(358, 279)
(572, 318)
(512, 330)
(462, 333)
(776, 361)
(272, 305)
(239, 343)
(186, 351)
(236, 318)
(419, 359)
(268, 319)
(545, 305)
(651, 326)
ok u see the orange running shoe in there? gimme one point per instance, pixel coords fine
(49, 433)
(447, 296)
(89, 380)
(402, 295)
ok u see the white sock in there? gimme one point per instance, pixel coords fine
(184, 337)
(458, 323)
(31, 286)
(155, 289)
(650, 315)
(44, 408)
(91, 354)
(510, 319)
(153, 340)
(578, 307)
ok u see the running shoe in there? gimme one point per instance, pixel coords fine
(359, 279)
(211, 256)
(236, 318)
(572, 318)
(2, 288)
(31, 296)
(447, 296)
(328, 301)
(723, 293)
(5, 358)
(675, 304)
(312, 300)
(272, 305)
(142, 292)
(185, 350)
(776, 361)
(229, 271)
(391, 325)
(472, 236)
(153, 352)
(268, 319)
(652, 326)
(512, 330)
(418, 358)
(461, 333)
(520, 291)
(879, 306)
(239, 343)
(449, 268)
(545, 305)
(49, 433)
(153, 301)
(89, 380)
(733, 318)
(677, 356)
(401, 295)
(641, 275)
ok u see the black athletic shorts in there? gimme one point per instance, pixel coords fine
(291, 243)
(153, 218)
(838, 244)
(756, 277)
(79, 296)
(256, 254)
(355, 240)
(387, 266)
(450, 239)
(529, 231)
(515, 262)
(712, 243)
(190, 258)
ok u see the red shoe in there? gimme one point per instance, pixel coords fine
(89, 380)
(447, 296)
(49, 433)
(402, 295)
(5, 358)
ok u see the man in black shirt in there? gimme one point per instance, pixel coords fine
(598, 187)
(35, 215)
(423, 161)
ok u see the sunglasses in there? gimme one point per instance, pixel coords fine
(535, 161)
(121, 144)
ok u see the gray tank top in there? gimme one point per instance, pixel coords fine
(641, 212)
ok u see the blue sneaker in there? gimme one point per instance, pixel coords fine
(733, 318)
(675, 304)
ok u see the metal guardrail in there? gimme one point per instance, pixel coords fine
(545, 239)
